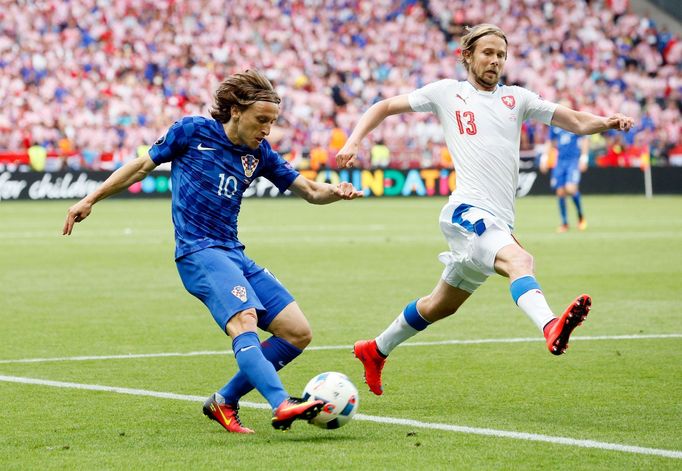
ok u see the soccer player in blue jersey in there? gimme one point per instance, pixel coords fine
(571, 161)
(213, 161)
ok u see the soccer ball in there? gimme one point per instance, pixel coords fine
(340, 395)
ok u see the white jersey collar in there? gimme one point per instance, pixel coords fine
(481, 92)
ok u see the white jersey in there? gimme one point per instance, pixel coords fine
(483, 133)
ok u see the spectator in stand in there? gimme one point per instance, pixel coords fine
(380, 155)
(91, 74)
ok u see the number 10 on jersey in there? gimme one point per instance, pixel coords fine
(225, 184)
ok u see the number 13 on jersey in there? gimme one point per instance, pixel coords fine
(466, 122)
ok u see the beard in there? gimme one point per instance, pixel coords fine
(484, 79)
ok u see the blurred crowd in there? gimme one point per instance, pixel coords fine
(96, 81)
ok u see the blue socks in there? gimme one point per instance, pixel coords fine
(562, 207)
(257, 369)
(578, 204)
(562, 210)
(277, 351)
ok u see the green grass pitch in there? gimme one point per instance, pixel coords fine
(112, 289)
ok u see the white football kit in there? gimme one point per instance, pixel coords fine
(483, 132)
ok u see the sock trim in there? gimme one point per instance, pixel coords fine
(413, 318)
(521, 286)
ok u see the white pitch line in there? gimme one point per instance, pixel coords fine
(335, 347)
(534, 437)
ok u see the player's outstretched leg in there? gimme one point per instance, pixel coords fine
(559, 330)
(366, 351)
(226, 415)
(295, 408)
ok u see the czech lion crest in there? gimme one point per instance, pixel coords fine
(249, 162)
(240, 293)
(509, 101)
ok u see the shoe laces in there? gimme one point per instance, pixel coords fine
(296, 400)
(235, 412)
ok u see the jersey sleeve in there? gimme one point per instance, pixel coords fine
(174, 143)
(537, 108)
(425, 98)
(278, 171)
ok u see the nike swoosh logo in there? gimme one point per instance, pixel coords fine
(225, 419)
(201, 147)
(287, 409)
(247, 348)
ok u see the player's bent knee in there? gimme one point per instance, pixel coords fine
(244, 321)
(303, 339)
(523, 262)
(519, 264)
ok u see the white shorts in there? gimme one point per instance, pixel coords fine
(474, 236)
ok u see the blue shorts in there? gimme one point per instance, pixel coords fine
(565, 174)
(228, 282)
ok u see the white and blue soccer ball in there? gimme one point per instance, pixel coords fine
(340, 395)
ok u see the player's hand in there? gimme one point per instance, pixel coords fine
(347, 155)
(620, 122)
(76, 213)
(346, 191)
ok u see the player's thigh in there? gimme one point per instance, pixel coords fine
(558, 177)
(274, 297)
(215, 276)
(474, 237)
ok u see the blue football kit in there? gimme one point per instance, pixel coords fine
(209, 175)
(567, 168)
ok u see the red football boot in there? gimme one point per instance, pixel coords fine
(295, 409)
(559, 330)
(366, 351)
(226, 415)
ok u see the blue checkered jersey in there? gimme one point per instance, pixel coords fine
(568, 145)
(209, 175)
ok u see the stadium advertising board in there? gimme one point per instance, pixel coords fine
(376, 182)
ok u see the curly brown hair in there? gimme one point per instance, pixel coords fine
(242, 90)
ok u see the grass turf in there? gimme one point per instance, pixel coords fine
(112, 288)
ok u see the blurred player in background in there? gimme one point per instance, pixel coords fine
(481, 122)
(213, 163)
(570, 153)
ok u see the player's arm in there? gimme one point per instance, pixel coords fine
(323, 193)
(368, 121)
(132, 172)
(582, 122)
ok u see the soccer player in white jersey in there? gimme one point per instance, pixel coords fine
(481, 120)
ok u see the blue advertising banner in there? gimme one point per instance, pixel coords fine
(375, 182)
